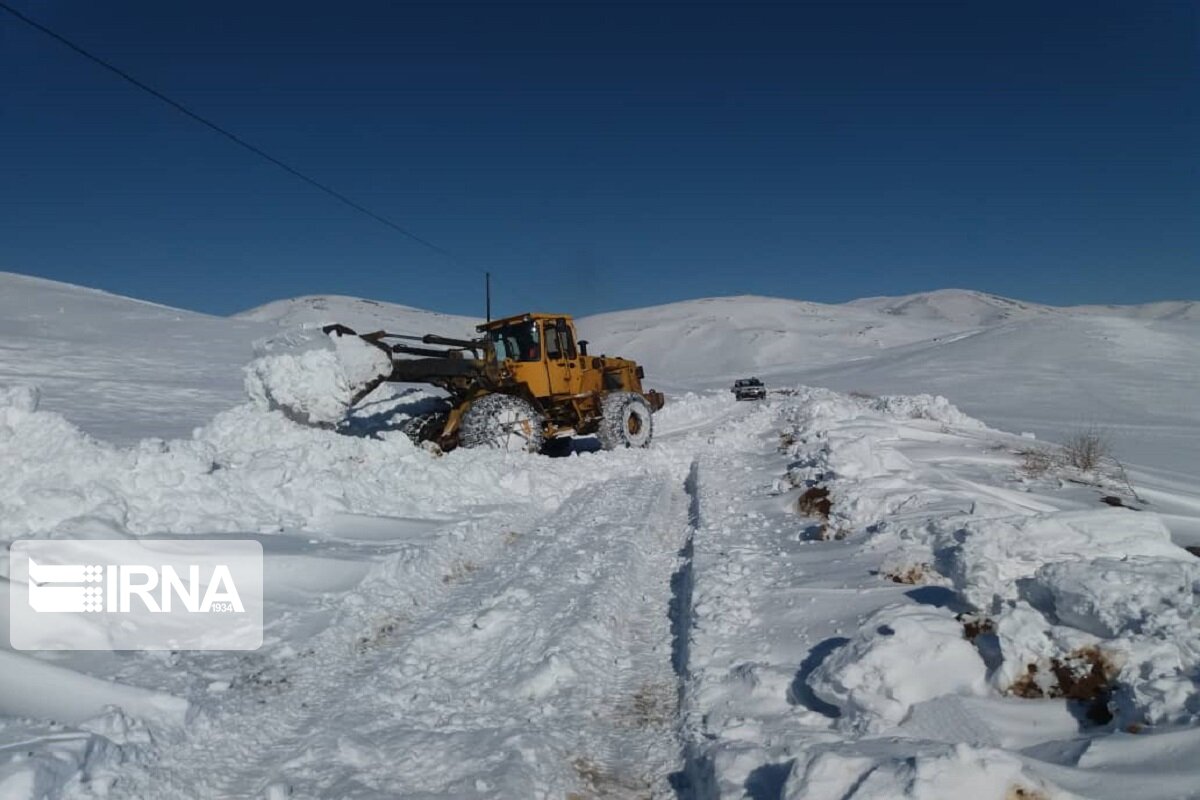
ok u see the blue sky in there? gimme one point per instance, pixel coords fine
(610, 155)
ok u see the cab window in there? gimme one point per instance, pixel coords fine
(566, 342)
(519, 342)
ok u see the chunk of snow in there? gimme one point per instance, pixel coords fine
(902, 655)
(925, 406)
(314, 386)
(986, 558)
(19, 398)
(1108, 597)
(936, 773)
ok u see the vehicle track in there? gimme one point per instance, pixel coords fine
(543, 671)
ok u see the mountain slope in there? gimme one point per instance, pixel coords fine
(122, 368)
(712, 341)
(117, 367)
(958, 306)
(359, 313)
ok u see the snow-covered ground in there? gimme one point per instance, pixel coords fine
(818, 596)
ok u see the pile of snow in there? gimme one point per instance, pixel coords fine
(312, 377)
(1112, 596)
(925, 406)
(253, 469)
(945, 772)
(986, 558)
(1131, 618)
(902, 655)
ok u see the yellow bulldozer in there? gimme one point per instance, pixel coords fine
(525, 383)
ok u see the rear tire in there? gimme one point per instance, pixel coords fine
(626, 421)
(502, 422)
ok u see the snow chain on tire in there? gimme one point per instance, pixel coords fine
(502, 422)
(626, 421)
(424, 427)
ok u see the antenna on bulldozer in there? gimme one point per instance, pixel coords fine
(487, 292)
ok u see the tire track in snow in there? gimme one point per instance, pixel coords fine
(544, 672)
(695, 771)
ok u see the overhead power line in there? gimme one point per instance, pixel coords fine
(334, 193)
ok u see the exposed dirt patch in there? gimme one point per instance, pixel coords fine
(1024, 793)
(1086, 675)
(384, 629)
(975, 626)
(911, 574)
(652, 705)
(1116, 502)
(459, 571)
(815, 502)
(599, 782)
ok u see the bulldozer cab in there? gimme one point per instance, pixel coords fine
(540, 351)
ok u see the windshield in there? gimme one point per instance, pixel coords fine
(519, 342)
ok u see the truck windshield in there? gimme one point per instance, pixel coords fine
(519, 342)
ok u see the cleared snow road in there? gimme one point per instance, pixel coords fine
(542, 671)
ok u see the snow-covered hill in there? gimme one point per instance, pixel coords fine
(957, 306)
(361, 314)
(118, 367)
(751, 607)
(711, 341)
(1051, 371)
(123, 368)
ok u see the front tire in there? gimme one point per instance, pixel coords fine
(626, 421)
(424, 427)
(502, 422)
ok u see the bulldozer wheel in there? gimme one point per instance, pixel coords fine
(502, 422)
(424, 427)
(627, 421)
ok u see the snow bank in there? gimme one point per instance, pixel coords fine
(313, 377)
(902, 655)
(925, 406)
(34, 688)
(251, 469)
(1108, 597)
(938, 773)
(986, 558)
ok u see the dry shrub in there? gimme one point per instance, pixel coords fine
(815, 502)
(1087, 449)
(1035, 462)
